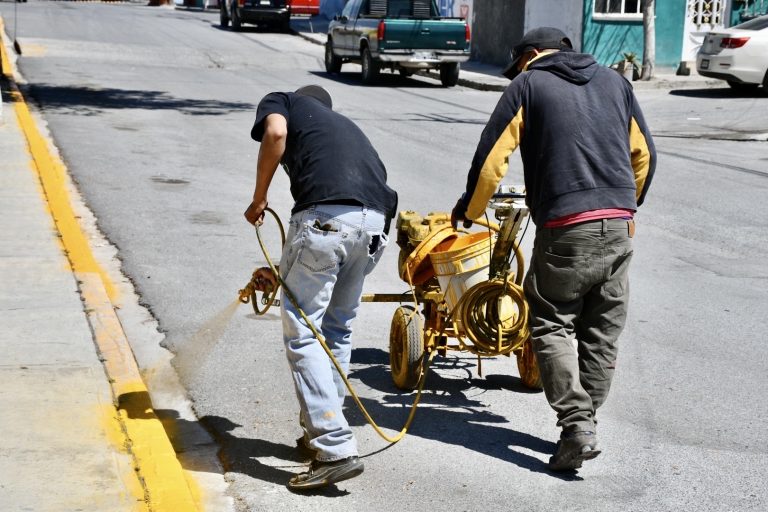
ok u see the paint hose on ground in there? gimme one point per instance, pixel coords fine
(249, 293)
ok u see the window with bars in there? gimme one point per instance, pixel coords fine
(624, 9)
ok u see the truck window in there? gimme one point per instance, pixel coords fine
(408, 8)
(400, 8)
(351, 9)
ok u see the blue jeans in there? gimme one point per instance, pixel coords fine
(329, 250)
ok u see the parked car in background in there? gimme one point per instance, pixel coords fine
(402, 35)
(311, 7)
(738, 55)
(276, 13)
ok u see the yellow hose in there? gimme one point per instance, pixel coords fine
(489, 320)
(308, 322)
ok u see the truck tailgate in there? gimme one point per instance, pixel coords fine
(405, 34)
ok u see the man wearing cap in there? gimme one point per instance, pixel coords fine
(337, 233)
(588, 160)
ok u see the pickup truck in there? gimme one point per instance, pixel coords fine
(402, 35)
(264, 12)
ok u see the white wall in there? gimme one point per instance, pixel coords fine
(563, 14)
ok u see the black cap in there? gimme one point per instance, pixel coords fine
(317, 92)
(542, 38)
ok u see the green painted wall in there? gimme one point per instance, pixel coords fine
(608, 40)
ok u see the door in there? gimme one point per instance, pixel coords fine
(344, 32)
(701, 16)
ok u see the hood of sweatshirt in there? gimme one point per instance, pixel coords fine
(577, 68)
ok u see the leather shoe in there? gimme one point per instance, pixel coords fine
(322, 473)
(573, 449)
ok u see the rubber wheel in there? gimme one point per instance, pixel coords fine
(237, 23)
(528, 367)
(449, 74)
(738, 86)
(332, 62)
(223, 18)
(370, 68)
(406, 348)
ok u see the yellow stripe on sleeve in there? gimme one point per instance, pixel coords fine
(640, 156)
(495, 166)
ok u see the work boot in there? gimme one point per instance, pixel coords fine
(305, 451)
(322, 473)
(573, 448)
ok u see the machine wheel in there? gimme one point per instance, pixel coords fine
(223, 16)
(528, 367)
(406, 347)
(237, 23)
(370, 67)
(332, 62)
(449, 74)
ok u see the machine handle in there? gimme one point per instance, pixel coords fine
(508, 195)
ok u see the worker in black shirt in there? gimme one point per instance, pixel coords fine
(338, 231)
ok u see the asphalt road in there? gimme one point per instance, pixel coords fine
(151, 109)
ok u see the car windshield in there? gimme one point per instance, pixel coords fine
(755, 24)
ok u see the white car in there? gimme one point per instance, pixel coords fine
(738, 55)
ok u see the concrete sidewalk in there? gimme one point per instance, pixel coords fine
(62, 447)
(78, 428)
(488, 77)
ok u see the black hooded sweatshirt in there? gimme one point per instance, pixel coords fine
(583, 140)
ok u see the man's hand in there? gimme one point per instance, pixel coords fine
(255, 212)
(458, 214)
(265, 280)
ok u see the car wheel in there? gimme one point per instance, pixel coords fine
(285, 25)
(370, 68)
(332, 62)
(223, 17)
(237, 23)
(449, 74)
(741, 87)
(765, 82)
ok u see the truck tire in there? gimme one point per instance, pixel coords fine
(449, 74)
(370, 67)
(332, 62)
(223, 16)
(237, 23)
(285, 25)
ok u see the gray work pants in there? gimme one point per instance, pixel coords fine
(577, 289)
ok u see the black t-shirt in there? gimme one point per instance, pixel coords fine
(328, 158)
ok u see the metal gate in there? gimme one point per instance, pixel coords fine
(701, 16)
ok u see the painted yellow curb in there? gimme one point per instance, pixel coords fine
(161, 474)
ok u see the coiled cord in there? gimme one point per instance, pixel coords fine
(494, 316)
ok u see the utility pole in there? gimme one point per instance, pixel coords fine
(649, 40)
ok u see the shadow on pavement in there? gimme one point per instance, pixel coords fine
(386, 79)
(241, 455)
(720, 93)
(446, 414)
(86, 101)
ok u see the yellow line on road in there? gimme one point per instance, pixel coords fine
(165, 485)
